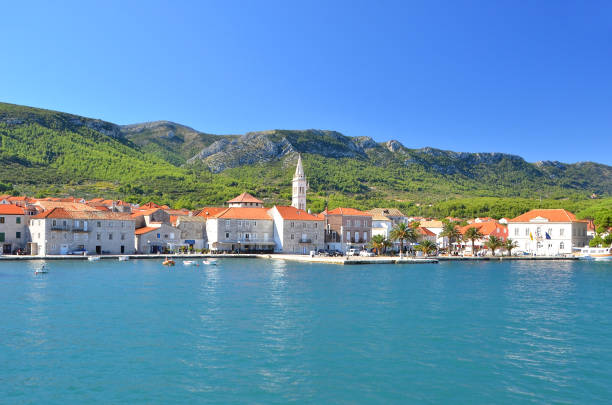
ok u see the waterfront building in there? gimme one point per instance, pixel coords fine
(192, 230)
(436, 227)
(297, 231)
(300, 186)
(425, 234)
(381, 225)
(548, 232)
(347, 228)
(14, 233)
(244, 229)
(59, 231)
(157, 237)
(487, 228)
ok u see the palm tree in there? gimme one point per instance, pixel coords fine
(473, 234)
(509, 245)
(451, 231)
(377, 242)
(493, 243)
(427, 247)
(387, 244)
(402, 232)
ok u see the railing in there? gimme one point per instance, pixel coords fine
(305, 240)
(62, 228)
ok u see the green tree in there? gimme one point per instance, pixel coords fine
(402, 232)
(493, 243)
(509, 245)
(451, 231)
(427, 247)
(377, 243)
(473, 234)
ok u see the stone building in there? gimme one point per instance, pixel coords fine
(59, 231)
(14, 234)
(296, 231)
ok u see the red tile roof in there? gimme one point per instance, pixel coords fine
(348, 211)
(245, 197)
(487, 228)
(141, 213)
(294, 214)
(552, 215)
(10, 209)
(243, 213)
(66, 214)
(425, 231)
(210, 211)
(145, 229)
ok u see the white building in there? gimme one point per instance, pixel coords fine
(548, 232)
(300, 186)
(436, 227)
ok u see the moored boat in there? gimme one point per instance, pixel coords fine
(124, 258)
(595, 253)
(168, 262)
(210, 262)
(41, 270)
(93, 258)
(190, 263)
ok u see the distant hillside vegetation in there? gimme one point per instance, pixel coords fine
(47, 152)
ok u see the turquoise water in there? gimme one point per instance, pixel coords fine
(256, 331)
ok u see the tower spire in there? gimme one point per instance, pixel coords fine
(300, 185)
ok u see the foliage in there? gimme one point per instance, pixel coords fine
(427, 247)
(493, 243)
(509, 245)
(472, 234)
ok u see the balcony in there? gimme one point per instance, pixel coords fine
(305, 240)
(62, 228)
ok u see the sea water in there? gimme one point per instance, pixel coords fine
(268, 331)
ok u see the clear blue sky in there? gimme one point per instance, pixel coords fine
(529, 78)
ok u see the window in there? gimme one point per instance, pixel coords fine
(316, 225)
(526, 231)
(561, 245)
(516, 232)
(18, 235)
(228, 223)
(348, 235)
(348, 222)
(99, 224)
(292, 224)
(561, 232)
(18, 220)
(172, 235)
(304, 225)
(291, 236)
(110, 236)
(226, 235)
(64, 223)
(122, 236)
(238, 223)
(1, 236)
(54, 222)
(166, 236)
(246, 236)
(98, 236)
(1, 220)
(158, 235)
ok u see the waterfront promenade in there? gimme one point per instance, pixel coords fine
(341, 260)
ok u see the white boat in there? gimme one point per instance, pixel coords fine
(41, 270)
(210, 262)
(190, 263)
(93, 258)
(124, 258)
(595, 253)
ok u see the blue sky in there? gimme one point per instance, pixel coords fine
(529, 78)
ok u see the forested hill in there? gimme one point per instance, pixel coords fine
(46, 152)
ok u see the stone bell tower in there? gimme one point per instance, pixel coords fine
(300, 185)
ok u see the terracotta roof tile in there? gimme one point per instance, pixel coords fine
(552, 215)
(66, 214)
(245, 197)
(145, 229)
(244, 213)
(348, 211)
(293, 214)
(10, 209)
(210, 211)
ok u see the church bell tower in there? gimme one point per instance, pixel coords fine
(300, 186)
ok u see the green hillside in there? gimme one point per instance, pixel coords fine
(51, 153)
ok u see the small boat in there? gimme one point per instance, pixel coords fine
(190, 263)
(93, 258)
(168, 262)
(210, 262)
(41, 270)
(124, 258)
(595, 253)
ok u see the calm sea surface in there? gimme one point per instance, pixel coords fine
(256, 331)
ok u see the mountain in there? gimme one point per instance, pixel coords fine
(44, 152)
